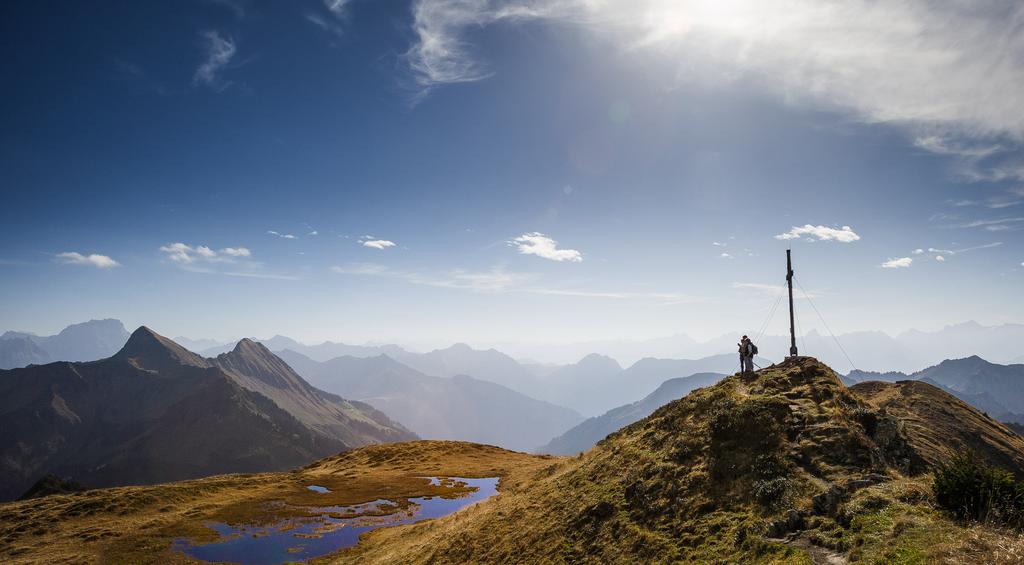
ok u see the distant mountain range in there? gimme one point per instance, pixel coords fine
(156, 412)
(321, 352)
(995, 389)
(458, 407)
(872, 350)
(87, 341)
(869, 350)
(587, 434)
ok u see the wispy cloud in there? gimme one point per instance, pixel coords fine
(941, 254)
(899, 263)
(536, 243)
(227, 261)
(184, 253)
(725, 256)
(820, 233)
(236, 251)
(281, 235)
(500, 280)
(336, 7)
(375, 243)
(91, 260)
(996, 224)
(219, 51)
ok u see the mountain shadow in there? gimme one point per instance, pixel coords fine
(156, 412)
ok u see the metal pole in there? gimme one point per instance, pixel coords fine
(789, 280)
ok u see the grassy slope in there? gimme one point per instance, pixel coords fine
(138, 524)
(682, 485)
(698, 481)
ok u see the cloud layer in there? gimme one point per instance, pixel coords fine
(947, 71)
(536, 243)
(91, 260)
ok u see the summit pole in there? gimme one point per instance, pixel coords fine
(789, 281)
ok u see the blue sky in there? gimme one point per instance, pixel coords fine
(508, 170)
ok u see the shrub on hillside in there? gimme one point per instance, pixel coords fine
(974, 490)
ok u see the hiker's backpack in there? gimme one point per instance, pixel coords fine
(753, 349)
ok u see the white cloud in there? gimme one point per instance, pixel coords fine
(536, 243)
(314, 232)
(918, 251)
(820, 233)
(940, 258)
(719, 244)
(900, 263)
(375, 243)
(219, 52)
(187, 254)
(236, 251)
(178, 252)
(229, 261)
(937, 66)
(725, 256)
(91, 260)
(282, 235)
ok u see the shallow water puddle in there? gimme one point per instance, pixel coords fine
(323, 531)
(318, 488)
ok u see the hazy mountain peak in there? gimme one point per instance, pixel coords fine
(112, 325)
(598, 361)
(247, 346)
(972, 361)
(148, 349)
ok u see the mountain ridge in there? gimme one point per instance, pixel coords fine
(155, 411)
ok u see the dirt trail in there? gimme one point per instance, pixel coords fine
(820, 555)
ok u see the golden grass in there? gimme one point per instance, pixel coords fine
(138, 524)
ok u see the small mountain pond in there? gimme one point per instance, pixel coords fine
(324, 530)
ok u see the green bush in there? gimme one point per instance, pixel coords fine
(974, 490)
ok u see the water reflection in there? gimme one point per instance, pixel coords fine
(327, 528)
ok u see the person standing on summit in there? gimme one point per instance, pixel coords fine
(747, 352)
